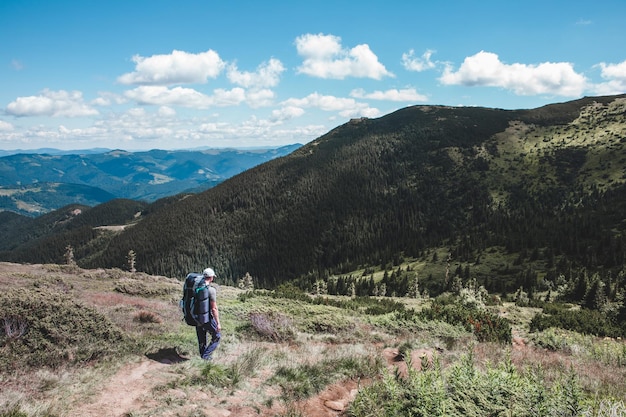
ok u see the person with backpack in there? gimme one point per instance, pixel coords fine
(213, 327)
(199, 306)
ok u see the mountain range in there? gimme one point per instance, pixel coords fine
(38, 182)
(509, 198)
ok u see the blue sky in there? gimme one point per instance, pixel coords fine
(146, 74)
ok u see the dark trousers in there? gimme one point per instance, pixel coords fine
(205, 346)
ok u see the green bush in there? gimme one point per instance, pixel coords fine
(145, 286)
(42, 328)
(487, 327)
(610, 352)
(464, 390)
(369, 305)
(583, 321)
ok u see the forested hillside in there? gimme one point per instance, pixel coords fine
(509, 198)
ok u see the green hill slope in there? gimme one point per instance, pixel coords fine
(543, 188)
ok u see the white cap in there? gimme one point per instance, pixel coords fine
(208, 272)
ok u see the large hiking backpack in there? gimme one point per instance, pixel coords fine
(195, 302)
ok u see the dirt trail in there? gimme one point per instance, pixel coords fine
(131, 390)
(126, 391)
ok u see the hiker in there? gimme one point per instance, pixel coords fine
(213, 327)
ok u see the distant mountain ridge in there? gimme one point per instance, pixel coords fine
(509, 197)
(54, 151)
(36, 183)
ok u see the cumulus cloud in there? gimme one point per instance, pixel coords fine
(324, 57)
(179, 67)
(185, 97)
(5, 126)
(165, 111)
(614, 71)
(412, 63)
(615, 76)
(51, 103)
(322, 102)
(346, 107)
(222, 97)
(164, 96)
(107, 99)
(266, 75)
(486, 69)
(138, 124)
(286, 113)
(259, 98)
(405, 94)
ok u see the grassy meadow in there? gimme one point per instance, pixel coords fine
(79, 342)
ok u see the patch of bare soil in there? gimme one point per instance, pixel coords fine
(334, 400)
(127, 390)
(131, 390)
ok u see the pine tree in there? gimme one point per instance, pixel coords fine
(414, 288)
(246, 282)
(69, 256)
(131, 258)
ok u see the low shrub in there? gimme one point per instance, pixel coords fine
(144, 316)
(48, 329)
(368, 305)
(607, 351)
(583, 321)
(273, 326)
(464, 390)
(487, 327)
(148, 287)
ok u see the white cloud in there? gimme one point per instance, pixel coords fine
(614, 71)
(179, 67)
(287, 113)
(486, 69)
(413, 63)
(259, 98)
(615, 74)
(405, 94)
(5, 126)
(362, 112)
(346, 107)
(324, 57)
(139, 124)
(322, 102)
(232, 97)
(165, 111)
(51, 103)
(163, 96)
(190, 98)
(266, 75)
(107, 99)
(101, 101)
